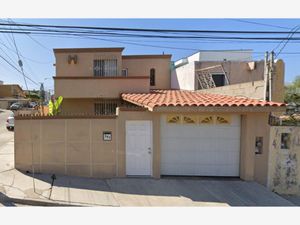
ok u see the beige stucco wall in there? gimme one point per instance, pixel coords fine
(141, 67)
(110, 87)
(85, 63)
(278, 81)
(66, 146)
(237, 72)
(250, 83)
(252, 166)
(75, 146)
(253, 89)
(78, 106)
(100, 88)
(284, 169)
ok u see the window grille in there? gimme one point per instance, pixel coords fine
(152, 77)
(124, 72)
(105, 68)
(106, 107)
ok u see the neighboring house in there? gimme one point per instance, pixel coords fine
(10, 93)
(233, 73)
(120, 118)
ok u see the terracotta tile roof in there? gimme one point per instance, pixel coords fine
(158, 98)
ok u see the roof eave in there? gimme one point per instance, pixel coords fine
(232, 109)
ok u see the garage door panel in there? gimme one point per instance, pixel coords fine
(193, 149)
(204, 170)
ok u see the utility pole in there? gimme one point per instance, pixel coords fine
(268, 75)
(271, 70)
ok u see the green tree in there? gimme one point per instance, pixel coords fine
(292, 91)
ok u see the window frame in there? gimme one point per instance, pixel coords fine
(107, 67)
(218, 74)
(106, 107)
(126, 72)
(152, 77)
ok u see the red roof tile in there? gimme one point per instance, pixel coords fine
(157, 98)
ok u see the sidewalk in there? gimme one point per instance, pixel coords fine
(78, 191)
(72, 191)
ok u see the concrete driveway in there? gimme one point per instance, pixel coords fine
(125, 191)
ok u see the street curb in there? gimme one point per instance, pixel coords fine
(47, 203)
(34, 202)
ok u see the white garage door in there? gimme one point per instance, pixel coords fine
(200, 150)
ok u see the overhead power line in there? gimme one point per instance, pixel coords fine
(261, 24)
(36, 41)
(146, 30)
(296, 28)
(110, 34)
(19, 61)
(15, 68)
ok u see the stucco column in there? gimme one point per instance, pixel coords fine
(247, 158)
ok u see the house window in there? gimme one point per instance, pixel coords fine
(152, 77)
(258, 145)
(124, 72)
(285, 140)
(106, 107)
(105, 68)
(219, 79)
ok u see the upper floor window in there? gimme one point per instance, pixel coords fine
(124, 72)
(105, 67)
(219, 79)
(152, 77)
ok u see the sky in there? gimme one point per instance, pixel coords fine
(38, 57)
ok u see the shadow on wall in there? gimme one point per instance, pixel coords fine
(174, 80)
(233, 192)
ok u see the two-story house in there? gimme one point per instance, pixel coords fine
(91, 80)
(132, 123)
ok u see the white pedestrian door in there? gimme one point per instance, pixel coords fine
(139, 148)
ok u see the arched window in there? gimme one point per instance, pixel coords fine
(152, 77)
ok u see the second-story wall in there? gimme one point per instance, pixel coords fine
(237, 72)
(84, 66)
(140, 65)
